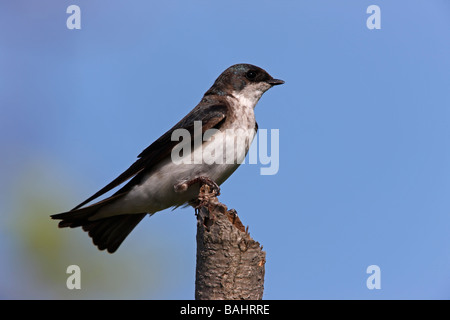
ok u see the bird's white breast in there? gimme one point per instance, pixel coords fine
(219, 161)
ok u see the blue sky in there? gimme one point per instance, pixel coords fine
(363, 118)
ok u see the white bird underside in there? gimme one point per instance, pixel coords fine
(221, 155)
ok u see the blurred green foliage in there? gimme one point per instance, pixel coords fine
(38, 252)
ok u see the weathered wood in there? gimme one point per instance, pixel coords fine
(230, 264)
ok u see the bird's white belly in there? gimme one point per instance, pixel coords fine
(216, 159)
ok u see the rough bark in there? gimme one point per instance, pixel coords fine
(230, 264)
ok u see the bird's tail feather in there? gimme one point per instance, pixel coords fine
(107, 233)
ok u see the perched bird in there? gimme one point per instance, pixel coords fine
(225, 114)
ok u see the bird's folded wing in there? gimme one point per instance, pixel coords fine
(211, 116)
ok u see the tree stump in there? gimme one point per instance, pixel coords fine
(230, 264)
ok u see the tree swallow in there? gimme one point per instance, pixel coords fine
(157, 181)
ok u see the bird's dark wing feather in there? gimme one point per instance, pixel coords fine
(212, 116)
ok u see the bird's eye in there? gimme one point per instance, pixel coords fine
(251, 75)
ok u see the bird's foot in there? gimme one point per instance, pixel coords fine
(213, 186)
(208, 190)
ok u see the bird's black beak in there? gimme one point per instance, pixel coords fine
(275, 82)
